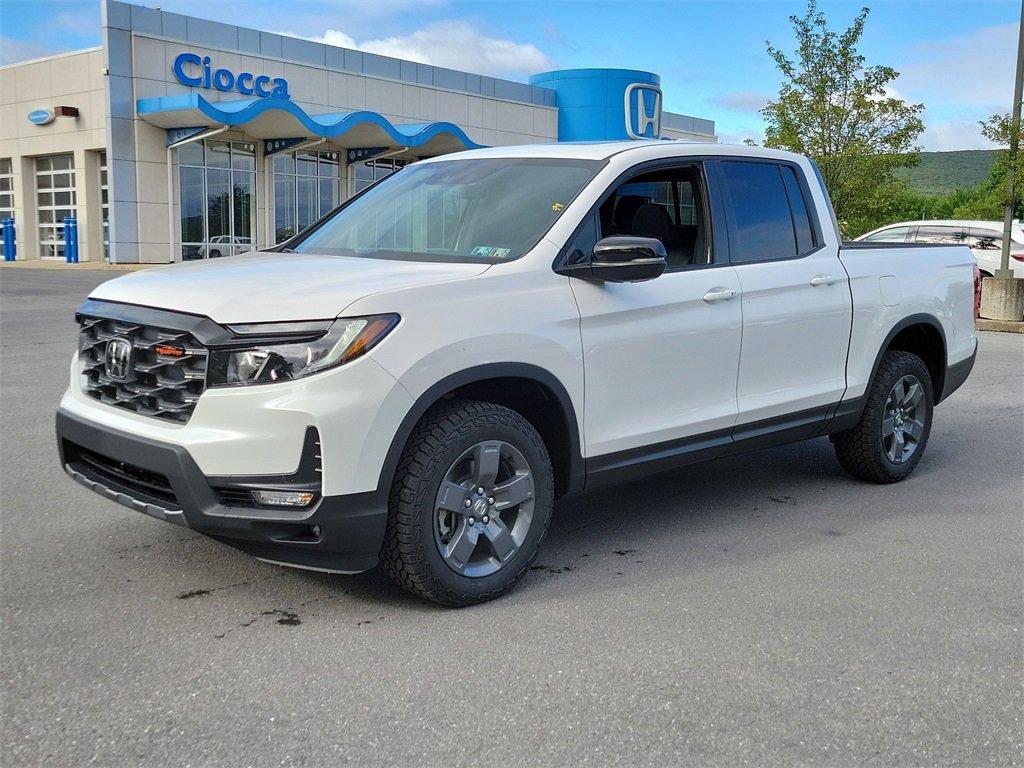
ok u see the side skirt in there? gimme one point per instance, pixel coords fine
(622, 466)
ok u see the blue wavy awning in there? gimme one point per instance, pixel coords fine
(271, 118)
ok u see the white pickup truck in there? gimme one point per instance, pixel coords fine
(414, 380)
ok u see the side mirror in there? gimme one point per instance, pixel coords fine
(627, 259)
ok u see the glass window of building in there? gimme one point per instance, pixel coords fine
(374, 170)
(217, 191)
(307, 184)
(105, 205)
(55, 199)
(6, 192)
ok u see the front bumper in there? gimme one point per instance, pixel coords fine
(336, 533)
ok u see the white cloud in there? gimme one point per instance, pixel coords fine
(975, 68)
(740, 136)
(742, 101)
(14, 51)
(452, 44)
(888, 92)
(957, 133)
(334, 37)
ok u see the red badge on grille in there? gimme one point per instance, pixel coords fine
(168, 350)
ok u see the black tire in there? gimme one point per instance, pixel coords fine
(410, 554)
(861, 450)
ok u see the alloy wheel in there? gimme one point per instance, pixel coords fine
(484, 508)
(903, 419)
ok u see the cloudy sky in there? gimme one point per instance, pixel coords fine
(955, 57)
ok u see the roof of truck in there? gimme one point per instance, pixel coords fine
(602, 150)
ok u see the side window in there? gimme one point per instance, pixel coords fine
(985, 239)
(688, 198)
(666, 204)
(582, 245)
(763, 223)
(940, 234)
(891, 235)
(801, 219)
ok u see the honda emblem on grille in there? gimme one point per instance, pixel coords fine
(117, 359)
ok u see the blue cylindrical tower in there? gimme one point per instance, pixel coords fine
(605, 104)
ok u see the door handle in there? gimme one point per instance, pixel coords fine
(823, 280)
(719, 294)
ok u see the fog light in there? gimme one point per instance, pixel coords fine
(283, 498)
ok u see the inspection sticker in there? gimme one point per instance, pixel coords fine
(490, 251)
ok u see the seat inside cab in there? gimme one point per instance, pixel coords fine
(667, 205)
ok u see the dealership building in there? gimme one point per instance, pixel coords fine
(181, 138)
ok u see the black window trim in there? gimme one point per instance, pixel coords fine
(817, 237)
(713, 209)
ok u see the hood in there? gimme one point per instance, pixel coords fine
(274, 287)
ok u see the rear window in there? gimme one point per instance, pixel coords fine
(762, 220)
(940, 234)
(986, 239)
(801, 219)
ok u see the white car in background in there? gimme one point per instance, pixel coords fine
(222, 245)
(984, 238)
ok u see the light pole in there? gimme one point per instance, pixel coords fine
(1002, 296)
(1004, 270)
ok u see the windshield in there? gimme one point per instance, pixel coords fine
(485, 210)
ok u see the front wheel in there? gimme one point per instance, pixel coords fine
(470, 504)
(888, 441)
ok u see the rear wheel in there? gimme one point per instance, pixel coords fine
(892, 433)
(470, 504)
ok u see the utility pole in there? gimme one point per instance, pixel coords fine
(1004, 270)
(1002, 296)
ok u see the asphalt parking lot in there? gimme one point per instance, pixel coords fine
(762, 610)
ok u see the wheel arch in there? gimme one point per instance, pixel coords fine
(535, 393)
(922, 335)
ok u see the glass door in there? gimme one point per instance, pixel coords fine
(307, 185)
(217, 189)
(55, 199)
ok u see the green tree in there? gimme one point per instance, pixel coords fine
(842, 113)
(999, 129)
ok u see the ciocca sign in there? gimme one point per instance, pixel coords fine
(198, 72)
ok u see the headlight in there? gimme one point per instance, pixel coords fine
(268, 360)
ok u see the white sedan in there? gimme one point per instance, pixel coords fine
(224, 245)
(984, 238)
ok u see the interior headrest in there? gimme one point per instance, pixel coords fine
(652, 220)
(625, 210)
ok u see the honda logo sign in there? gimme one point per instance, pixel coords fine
(643, 111)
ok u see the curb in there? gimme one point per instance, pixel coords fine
(1005, 326)
(53, 266)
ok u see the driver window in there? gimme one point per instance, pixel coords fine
(665, 204)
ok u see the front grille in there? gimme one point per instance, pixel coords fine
(159, 382)
(129, 476)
